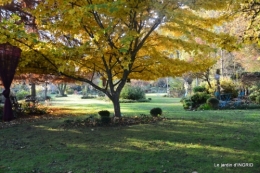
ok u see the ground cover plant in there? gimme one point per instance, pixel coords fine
(187, 141)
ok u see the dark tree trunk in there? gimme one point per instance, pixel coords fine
(45, 90)
(33, 93)
(116, 104)
(62, 88)
(33, 90)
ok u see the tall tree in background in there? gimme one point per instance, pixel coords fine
(245, 27)
(116, 40)
(251, 13)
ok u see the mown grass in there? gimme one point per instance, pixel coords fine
(189, 141)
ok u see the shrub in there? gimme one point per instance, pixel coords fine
(104, 113)
(199, 89)
(205, 106)
(213, 102)
(187, 103)
(20, 95)
(199, 98)
(104, 116)
(132, 93)
(229, 87)
(155, 112)
(257, 99)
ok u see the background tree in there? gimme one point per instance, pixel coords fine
(116, 40)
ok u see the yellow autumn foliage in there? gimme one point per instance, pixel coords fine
(118, 39)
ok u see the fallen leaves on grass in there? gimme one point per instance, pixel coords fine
(91, 121)
(51, 114)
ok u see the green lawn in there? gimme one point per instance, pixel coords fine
(190, 141)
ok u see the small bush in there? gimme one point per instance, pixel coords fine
(199, 89)
(213, 102)
(132, 93)
(205, 106)
(155, 112)
(199, 98)
(187, 103)
(104, 116)
(228, 86)
(105, 113)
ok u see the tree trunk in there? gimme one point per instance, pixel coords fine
(45, 91)
(33, 93)
(33, 90)
(116, 104)
(62, 88)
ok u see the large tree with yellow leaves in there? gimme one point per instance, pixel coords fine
(115, 40)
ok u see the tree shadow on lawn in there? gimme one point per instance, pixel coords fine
(176, 145)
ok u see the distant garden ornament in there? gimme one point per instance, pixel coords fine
(9, 59)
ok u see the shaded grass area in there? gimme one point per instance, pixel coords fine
(189, 141)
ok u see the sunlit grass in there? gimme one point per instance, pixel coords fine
(74, 104)
(189, 141)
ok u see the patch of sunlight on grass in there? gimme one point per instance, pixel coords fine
(116, 148)
(79, 146)
(208, 147)
(56, 130)
(166, 145)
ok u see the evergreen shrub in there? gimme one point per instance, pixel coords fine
(199, 89)
(213, 102)
(104, 116)
(156, 112)
(132, 93)
(199, 98)
(187, 103)
(204, 106)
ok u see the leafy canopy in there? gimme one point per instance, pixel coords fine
(117, 39)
